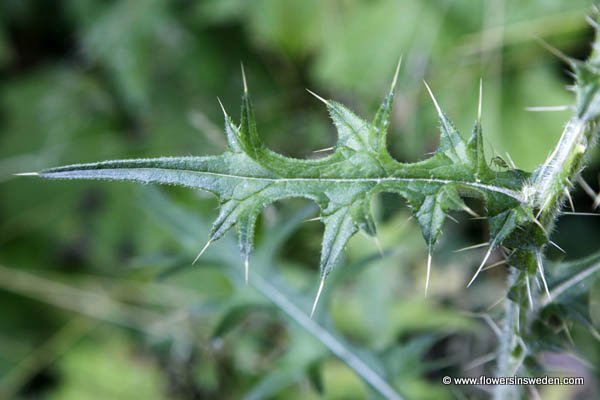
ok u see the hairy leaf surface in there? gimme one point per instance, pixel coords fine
(248, 176)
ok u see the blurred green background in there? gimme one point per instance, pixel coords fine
(97, 296)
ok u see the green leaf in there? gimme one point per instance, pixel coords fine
(248, 176)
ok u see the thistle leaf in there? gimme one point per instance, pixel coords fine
(248, 176)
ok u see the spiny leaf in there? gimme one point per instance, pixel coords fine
(248, 176)
(451, 144)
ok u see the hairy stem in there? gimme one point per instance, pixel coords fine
(547, 192)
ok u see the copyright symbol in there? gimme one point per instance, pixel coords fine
(446, 380)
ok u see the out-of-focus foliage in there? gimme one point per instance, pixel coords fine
(90, 277)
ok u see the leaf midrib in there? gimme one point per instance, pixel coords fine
(511, 193)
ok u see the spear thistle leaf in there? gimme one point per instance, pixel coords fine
(248, 176)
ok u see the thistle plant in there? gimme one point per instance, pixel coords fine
(521, 207)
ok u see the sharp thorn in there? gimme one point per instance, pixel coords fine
(244, 78)
(557, 246)
(475, 246)
(529, 292)
(581, 213)
(548, 108)
(316, 301)
(592, 22)
(487, 255)
(317, 96)
(470, 211)
(480, 102)
(246, 270)
(494, 265)
(325, 149)
(312, 219)
(541, 270)
(494, 304)
(435, 103)
(452, 218)
(428, 272)
(27, 174)
(201, 252)
(222, 107)
(588, 189)
(395, 79)
(556, 52)
(570, 199)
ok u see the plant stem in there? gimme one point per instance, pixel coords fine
(547, 192)
(507, 362)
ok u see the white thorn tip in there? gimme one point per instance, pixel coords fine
(396, 73)
(553, 50)
(475, 246)
(570, 200)
(316, 301)
(312, 219)
(557, 246)
(529, 292)
(325, 149)
(494, 265)
(27, 174)
(222, 107)
(470, 211)
(590, 192)
(201, 252)
(428, 273)
(480, 102)
(548, 108)
(244, 78)
(317, 96)
(541, 269)
(487, 255)
(246, 270)
(435, 103)
(581, 214)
